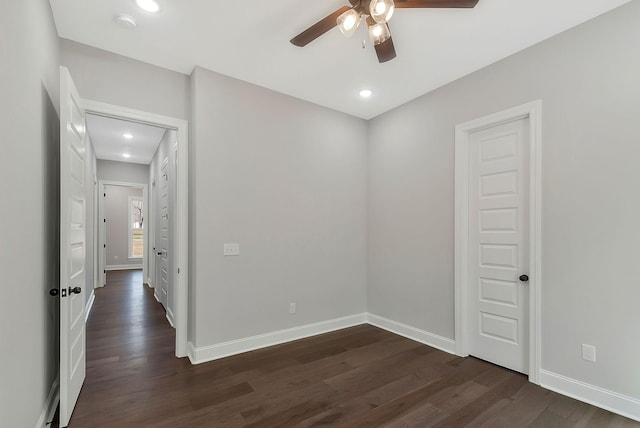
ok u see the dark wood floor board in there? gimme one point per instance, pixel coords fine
(422, 417)
(475, 413)
(361, 376)
(338, 415)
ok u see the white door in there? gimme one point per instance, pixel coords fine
(72, 246)
(498, 244)
(163, 242)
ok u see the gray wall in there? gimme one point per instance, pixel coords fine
(114, 79)
(122, 171)
(117, 230)
(588, 81)
(287, 181)
(29, 233)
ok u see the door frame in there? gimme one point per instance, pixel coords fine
(102, 239)
(533, 112)
(181, 273)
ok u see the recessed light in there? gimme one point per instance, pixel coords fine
(125, 21)
(366, 93)
(126, 155)
(148, 5)
(127, 136)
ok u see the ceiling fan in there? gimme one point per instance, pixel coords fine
(376, 14)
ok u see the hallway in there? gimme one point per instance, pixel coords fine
(130, 356)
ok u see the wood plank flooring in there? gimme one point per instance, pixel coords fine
(356, 377)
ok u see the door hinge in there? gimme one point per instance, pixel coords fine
(104, 271)
(104, 220)
(105, 245)
(105, 195)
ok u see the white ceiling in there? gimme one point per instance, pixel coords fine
(108, 141)
(249, 40)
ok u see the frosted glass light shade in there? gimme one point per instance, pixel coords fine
(379, 33)
(348, 22)
(381, 10)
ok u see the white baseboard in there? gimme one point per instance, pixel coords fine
(170, 317)
(155, 294)
(599, 397)
(123, 267)
(233, 347)
(413, 333)
(49, 409)
(89, 306)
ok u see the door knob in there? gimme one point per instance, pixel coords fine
(524, 278)
(75, 290)
(54, 292)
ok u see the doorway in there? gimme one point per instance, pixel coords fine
(179, 204)
(497, 238)
(123, 227)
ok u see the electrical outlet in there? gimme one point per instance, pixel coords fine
(292, 308)
(231, 249)
(589, 353)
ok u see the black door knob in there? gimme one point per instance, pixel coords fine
(54, 292)
(524, 278)
(75, 290)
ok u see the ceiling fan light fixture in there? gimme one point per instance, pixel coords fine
(381, 10)
(348, 22)
(379, 33)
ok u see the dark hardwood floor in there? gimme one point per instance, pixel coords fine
(356, 377)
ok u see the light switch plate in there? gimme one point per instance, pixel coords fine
(231, 249)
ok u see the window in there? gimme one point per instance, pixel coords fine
(136, 232)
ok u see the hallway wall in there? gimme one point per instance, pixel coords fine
(114, 79)
(286, 179)
(29, 212)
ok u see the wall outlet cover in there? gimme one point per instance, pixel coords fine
(231, 249)
(589, 353)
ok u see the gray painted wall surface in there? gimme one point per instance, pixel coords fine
(287, 181)
(587, 79)
(114, 79)
(123, 171)
(117, 231)
(29, 212)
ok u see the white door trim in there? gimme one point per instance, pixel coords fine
(102, 240)
(181, 204)
(533, 112)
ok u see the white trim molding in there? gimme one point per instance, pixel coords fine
(181, 255)
(50, 406)
(413, 333)
(609, 400)
(533, 112)
(89, 306)
(203, 354)
(169, 315)
(123, 267)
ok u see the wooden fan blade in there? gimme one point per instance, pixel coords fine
(434, 3)
(319, 28)
(385, 51)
